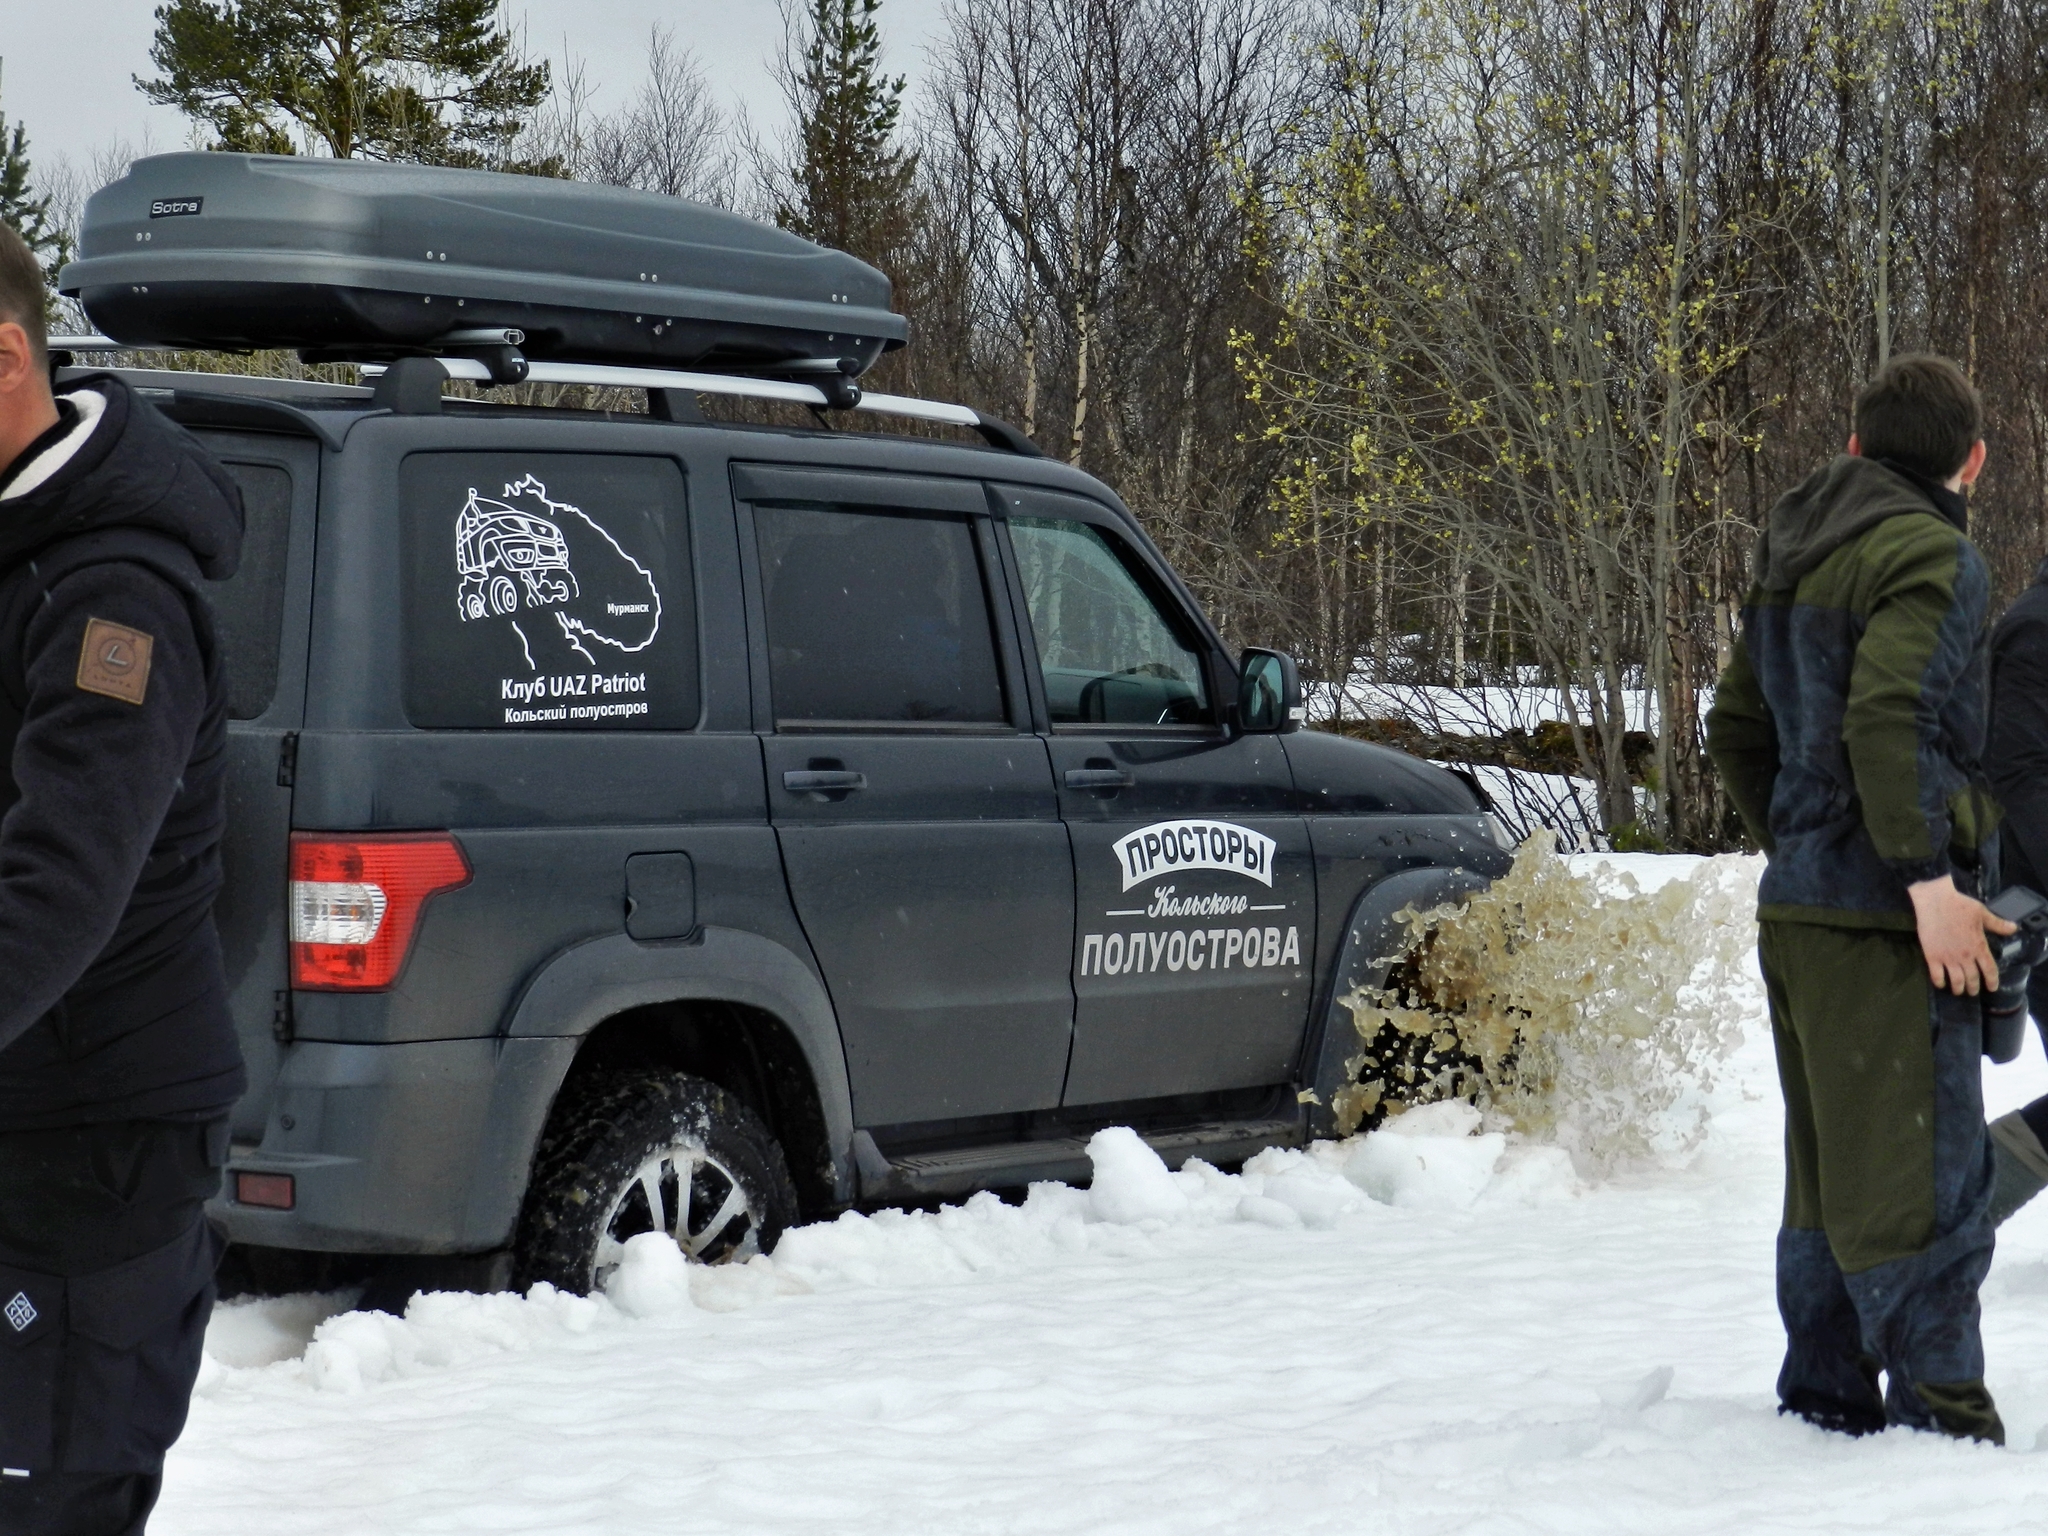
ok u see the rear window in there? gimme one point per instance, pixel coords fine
(248, 608)
(547, 592)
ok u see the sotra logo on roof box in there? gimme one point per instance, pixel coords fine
(1169, 845)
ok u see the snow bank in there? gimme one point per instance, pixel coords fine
(1478, 711)
(250, 1332)
(1433, 1159)
(443, 1329)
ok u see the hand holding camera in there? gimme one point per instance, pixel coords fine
(2017, 953)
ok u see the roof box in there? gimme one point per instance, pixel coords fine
(355, 258)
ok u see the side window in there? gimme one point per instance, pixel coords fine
(248, 608)
(876, 617)
(547, 591)
(1107, 653)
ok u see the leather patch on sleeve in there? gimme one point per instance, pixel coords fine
(114, 661)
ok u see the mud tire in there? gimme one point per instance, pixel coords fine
(603, 1136)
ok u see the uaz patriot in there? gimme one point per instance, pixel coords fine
(644, 823)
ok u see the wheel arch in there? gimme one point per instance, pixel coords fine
(745, 1049)
(1374, 942)
(732, 1007)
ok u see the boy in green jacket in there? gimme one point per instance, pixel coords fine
(1847, 731)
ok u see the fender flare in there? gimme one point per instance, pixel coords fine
(586, 984)
(1373, 943)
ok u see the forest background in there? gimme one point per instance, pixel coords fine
(1457, 346)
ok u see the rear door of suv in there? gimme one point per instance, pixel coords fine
(914, 804)
(260, 619)
(1194, 881)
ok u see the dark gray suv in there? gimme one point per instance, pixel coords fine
(655, 824)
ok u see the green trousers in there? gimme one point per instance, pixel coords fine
(1849, 1017)
(1886, 1233)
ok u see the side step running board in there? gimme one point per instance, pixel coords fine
(915, 1175)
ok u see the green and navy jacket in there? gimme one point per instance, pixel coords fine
(1849, 724)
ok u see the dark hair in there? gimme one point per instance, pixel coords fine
(22, 296)
(1922, 413)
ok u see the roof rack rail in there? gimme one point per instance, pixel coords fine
(406, 389)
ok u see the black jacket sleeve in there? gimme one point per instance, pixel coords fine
(2016, 752)
(95, 774)
(1742, 740)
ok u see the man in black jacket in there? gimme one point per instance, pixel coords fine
(2016, 758)
(118, 1061)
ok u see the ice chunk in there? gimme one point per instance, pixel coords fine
(353, 1350)
(1131, 1183)
(250, 1332)
(1318, 1201)
(1420, 1170)
(653, 1278)
(1448, 1117)
(735, 1287)
(1268, 1212)
(1315, 1192)
(1534, 1176)
(1635, 1396)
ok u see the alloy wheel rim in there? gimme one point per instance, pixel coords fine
(685, 1191)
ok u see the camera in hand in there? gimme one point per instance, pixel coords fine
(2005, 1011)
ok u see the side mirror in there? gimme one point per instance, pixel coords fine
(1269, 696)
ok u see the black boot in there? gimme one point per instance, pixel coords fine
(1829, 1379)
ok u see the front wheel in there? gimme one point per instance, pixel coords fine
(643, 1151)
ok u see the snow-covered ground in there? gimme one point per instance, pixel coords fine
(1474, 711)
(1526, 800)
(1419, 1331)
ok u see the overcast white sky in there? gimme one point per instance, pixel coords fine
(68, 63)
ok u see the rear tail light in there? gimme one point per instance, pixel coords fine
(355, 904)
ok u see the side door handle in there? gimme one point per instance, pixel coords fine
(1099, 778)
(811, 781)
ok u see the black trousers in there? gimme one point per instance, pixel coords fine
(106, 1284)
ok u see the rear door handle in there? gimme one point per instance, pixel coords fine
(812, 780)
(1099, 778)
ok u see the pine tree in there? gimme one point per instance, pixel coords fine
(426, 80)
(21, 210)
(851, 186)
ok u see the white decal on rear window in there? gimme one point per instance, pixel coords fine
(520, 554)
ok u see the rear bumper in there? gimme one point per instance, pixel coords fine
(416, 1148)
